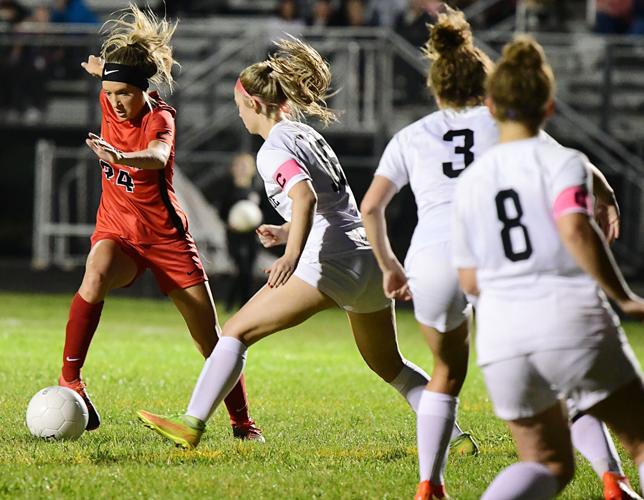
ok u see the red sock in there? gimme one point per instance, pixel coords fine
(237, 403)
(82, 323)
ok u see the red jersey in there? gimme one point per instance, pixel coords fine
(136, 204)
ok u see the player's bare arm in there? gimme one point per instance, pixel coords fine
(303, 208)
(154, 157)
(468, 282)
(271, 235)
(606, 209)
(585, 242)
(372, 208)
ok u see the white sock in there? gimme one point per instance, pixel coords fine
(435, 422)
(523, 481)
(591, 438)
(219, 374)
(410, 383)
(640, 469)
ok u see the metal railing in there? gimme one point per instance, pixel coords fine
(66, 196)
(215, 51)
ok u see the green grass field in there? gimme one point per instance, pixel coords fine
(333, 429)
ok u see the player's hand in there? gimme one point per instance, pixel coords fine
(94, 65)
(607, 217)
(394, 282)
(281, 271)
(633, 307)
(271, 236)
(104, 150)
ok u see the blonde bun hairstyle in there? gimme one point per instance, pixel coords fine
(459, 68)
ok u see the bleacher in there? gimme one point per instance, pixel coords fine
(600, 92)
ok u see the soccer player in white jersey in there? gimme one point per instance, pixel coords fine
(523, 239)
(429, 155)
(327, 261)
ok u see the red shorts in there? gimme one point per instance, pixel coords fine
(175, 264)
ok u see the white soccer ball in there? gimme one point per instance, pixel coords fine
(56, 413)
(244, 216)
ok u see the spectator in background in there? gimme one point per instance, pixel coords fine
(72, 11)
(242, 247)
(288, 13)
(286, 20)
(25, 67)
(323, 14)
(411, 24)
(355, 14)
(637, 26)
(385, 12)
(613, 16)
(11, 13)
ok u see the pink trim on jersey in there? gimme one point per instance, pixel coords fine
(572, 199)
(287, 171)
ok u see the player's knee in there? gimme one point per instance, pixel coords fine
(94, 285)
(236, 330)
(452, 372)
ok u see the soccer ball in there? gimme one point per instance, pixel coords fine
(56, 413)
(244, 216)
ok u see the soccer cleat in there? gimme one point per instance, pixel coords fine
(77, 385)
(617, 487)
(182, 430)
(429, 491)
(464, 445)
(248, 431)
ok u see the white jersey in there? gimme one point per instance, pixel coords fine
(294, 152)
(504, 225)
(430, 154)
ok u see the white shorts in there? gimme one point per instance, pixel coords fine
(525, 386)
(438, 299)
(353, 280)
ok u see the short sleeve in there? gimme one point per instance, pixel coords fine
(392, 164)
(547, 138)
(462, 255)
(160, 127)
(282, 168)
(572, 187)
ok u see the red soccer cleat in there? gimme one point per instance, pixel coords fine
(94, 419)
(248, 431)
(429, 491)
(617, 487)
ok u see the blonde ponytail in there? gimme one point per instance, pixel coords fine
(296, 77)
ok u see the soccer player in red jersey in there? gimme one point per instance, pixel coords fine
(139, 223)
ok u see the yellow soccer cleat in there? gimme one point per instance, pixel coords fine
(183, 430)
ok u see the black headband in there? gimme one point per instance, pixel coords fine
(114, 72)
